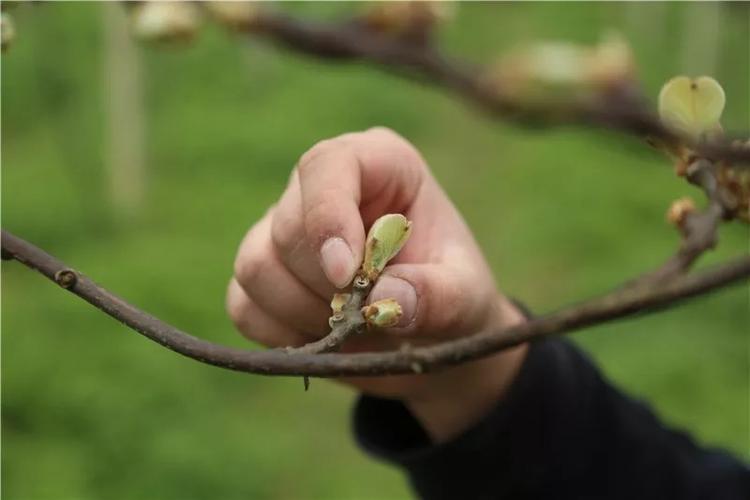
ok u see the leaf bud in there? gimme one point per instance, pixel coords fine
(383, 313)
(679, 210)
(406, 17)
(239, 15)
(384, 240)
(165, 21)
(692, 106)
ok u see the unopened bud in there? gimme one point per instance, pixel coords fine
(165, 21)
(384, 240)
(679, 210)
(735, 181)
(234, 15)
(692, 106)
(400, 18)
(612, 62)
(383, 313)
(554, 71)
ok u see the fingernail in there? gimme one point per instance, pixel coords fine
(337, 261)
(391, 287)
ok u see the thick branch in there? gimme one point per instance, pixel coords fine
(609, 307)
(621, 109)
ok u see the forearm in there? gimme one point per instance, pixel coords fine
(460, 397)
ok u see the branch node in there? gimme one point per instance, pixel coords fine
(66, 278)
(338, 317)
(361, 283)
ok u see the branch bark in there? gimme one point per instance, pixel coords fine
(612, 306)
(344, 324)
(699, 229)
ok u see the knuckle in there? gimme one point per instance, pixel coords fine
(319, 219)
(448, 307)
(242, 313)
(236, 313)
(320, 148)
(247, 269)
(382, 131)
(452, 313)
(285, 234)
(236, 308)
(392, 138)
(401, 150)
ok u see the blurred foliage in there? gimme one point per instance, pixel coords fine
(92, 410)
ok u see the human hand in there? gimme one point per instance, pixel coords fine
(312, 242)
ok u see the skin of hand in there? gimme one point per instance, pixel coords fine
(311, 243)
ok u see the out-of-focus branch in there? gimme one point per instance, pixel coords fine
(621, 108)
(399, 37)
(615, 305)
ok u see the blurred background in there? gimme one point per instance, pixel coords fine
(143, 167)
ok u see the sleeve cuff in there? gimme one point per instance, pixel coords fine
(504, 443)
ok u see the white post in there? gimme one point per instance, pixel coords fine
(125, 158)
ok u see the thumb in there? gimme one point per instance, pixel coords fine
(437, 300)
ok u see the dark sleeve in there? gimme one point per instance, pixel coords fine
(562, 432)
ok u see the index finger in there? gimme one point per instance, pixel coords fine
(345, 185)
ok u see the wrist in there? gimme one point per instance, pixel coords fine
(459, 397)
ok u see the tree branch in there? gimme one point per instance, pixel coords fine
(615, 305)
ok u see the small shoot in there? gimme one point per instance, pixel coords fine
(386, 238)
(692, 106)
(383, 313)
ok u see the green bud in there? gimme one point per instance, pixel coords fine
(386, 237)
(382, 313)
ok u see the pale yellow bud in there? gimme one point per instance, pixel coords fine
(402, 17)
(679, 210)
(612, 62)
(235, 15)
(386, 237)
(383, 313)
(692, 106)
(165, 21)
(555, 71)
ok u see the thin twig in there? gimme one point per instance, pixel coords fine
(699, 229)
(349, 321)
(615, 305)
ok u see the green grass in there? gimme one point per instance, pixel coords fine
(92, 410)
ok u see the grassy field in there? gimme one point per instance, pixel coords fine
(92, 410)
